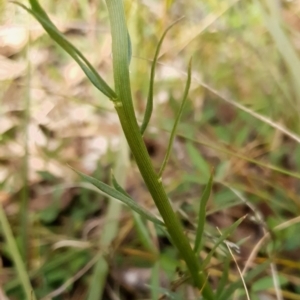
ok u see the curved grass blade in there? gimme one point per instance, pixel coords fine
(173, 132)
(41, 16)
(202, 214)
(120, 196)
(149, 106)
(227, 232)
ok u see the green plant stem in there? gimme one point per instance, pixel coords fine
(125, 110)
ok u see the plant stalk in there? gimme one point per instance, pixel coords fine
(125, 110)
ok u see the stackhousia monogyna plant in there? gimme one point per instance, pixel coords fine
(122, 100)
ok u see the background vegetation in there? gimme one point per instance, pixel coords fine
(241, 118)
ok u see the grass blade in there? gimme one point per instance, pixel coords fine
(227, 232)
(41, 16)
(98, 279)
(120, 196)
(202, 214)
(173, 132)
(224, 279)
(149, 106)
(15, 254)
(118, 187)
(140, 226)
(155, 286)
(143, 233)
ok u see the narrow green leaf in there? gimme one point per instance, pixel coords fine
(173, 132)
(143, 233)
(227, 232)
(58, 37)
(120, 196)
(118, 187)
(202, 214)
(155, 286)
(16, 257)
(149, 106)
(224, 278)
(140, 226)
(98, 280)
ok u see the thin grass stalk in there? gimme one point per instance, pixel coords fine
(202, 215)
(125, 110)
(179, 114)
(140, 226)
(149, 106)
(16, 256)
